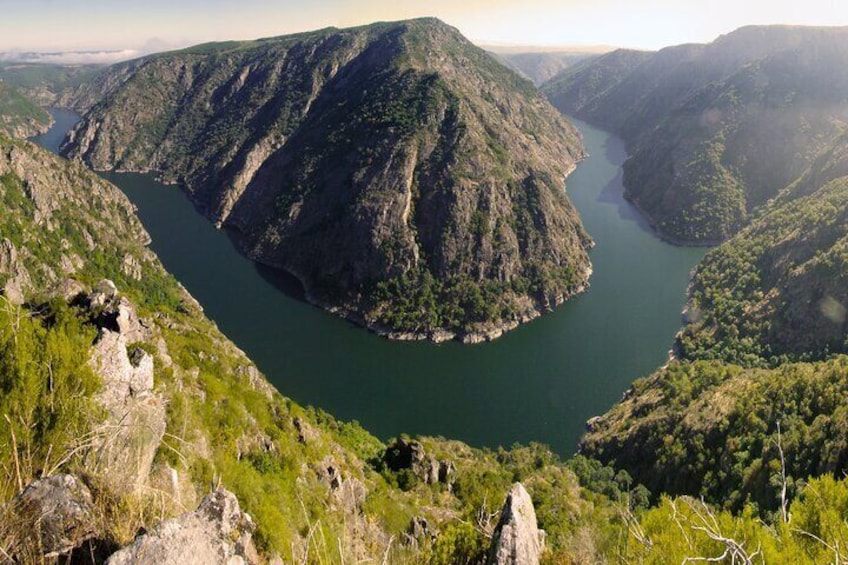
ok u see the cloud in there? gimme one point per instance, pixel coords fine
(71, 57)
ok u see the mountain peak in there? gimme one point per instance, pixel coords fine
(407, 178)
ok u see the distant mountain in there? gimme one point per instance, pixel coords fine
(715, 130)
(19, 116)
(48, 84)
(541, 66)
(410, 181)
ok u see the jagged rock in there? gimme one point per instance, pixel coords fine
(347, 492)
(593, 422)
(8, 256)
(136, 416)
(69, 264)
(331, 474)
(68, 290)
(517, 539)
(254, 442)
(418, 532)
(446, 473)
(18, 280)
(131, 267)
(123, 375)
(117, 313)
(256, 380)
(103, 293)
(217, 532)
(59, 512)
(305, 432)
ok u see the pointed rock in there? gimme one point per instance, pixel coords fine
(517, 539)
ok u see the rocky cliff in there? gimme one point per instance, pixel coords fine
(411, 182)
(714, 131)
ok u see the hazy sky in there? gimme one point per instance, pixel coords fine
(125, 24)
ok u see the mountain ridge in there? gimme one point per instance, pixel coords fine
(400, 163)
(716, 130)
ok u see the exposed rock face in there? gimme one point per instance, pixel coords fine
(411, 182)
(217, 532)
(115, 313)
(136, 415)
(716, 130)
(17, 278)
(60, 510)
(41, 193)
(517, 539)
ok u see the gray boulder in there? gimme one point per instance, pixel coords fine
(217, 532)
(517, 539)
(58, 512)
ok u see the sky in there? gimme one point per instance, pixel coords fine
(146, 25)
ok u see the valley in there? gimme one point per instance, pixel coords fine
(291, 193)
(540, 382)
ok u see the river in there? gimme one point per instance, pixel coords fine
(540, 382)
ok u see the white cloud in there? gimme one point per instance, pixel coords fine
(71, 57)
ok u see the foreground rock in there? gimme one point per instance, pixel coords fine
(59, 517)
(517, 539)
(217, 532)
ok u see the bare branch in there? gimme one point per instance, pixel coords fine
(784, 503)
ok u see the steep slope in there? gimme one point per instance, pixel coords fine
(579, 89)
(411, 182)
(720, 428)
(19, 116)
(716, 130)
(778, 290)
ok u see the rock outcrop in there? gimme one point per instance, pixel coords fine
(411, 183)
(136, 414)
(411, 455)
(218, 532)
(517, 539)
(17, 279)
(60, 514)
(81, 222)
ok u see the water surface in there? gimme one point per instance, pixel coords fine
(540, 382)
